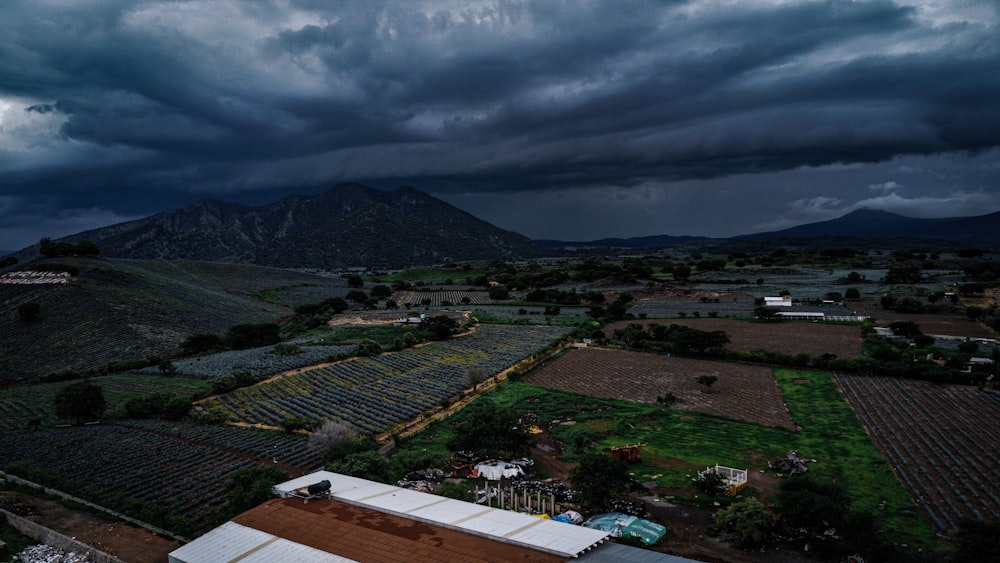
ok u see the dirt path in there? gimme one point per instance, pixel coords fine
(128, 543)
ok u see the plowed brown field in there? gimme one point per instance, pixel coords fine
(742, 392)
(791, 337)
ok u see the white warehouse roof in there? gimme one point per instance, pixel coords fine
(540, 534)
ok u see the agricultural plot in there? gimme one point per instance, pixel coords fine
(261, 361)
(944, 325)
(373, 394)
(124, 310)
(941, 441)
(672, 309)
(803, 283)
(22, 405)
(742, 392)
(152, 474)
(442, 298)
(790, 337)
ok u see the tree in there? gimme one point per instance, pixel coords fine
(251, 486)
(355, 280)
(599, 478)
(166, 367)
(908, 329)
(441, 326)
(711, 483)
(475, 376)
(749, 519)
(492, 430)
(198, 343)
(456, 491)
(765, 313)
(499, 292)
(357, 296)
(80, 401)
(332, 434)
(707, 381)
(369, 348)
(681, 272)
(852, 293)
(29, 311)
(902, 275)
(381, 292)
(804, 502)
(241, 337)
(368, 464)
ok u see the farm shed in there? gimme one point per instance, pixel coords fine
(800, 315)
(360, 520)
(783, 301)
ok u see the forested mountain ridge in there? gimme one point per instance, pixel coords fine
(349, 225)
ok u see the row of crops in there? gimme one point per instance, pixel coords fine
(174, 470)
(442, 298)
(24, 405)
(941, 441)
(373, 394)
(261, 361)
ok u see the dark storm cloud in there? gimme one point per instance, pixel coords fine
(127, 106)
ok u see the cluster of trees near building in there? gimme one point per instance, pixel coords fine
(50, 249)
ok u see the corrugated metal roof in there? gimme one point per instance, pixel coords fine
(521, 529)
(618, 553)
(233, 542)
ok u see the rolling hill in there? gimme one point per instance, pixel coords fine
(128, 310)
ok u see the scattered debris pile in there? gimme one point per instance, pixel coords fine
(791, 464)
(47, 554)
(424, 480)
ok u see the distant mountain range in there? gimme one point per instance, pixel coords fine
(872, 223)
(983, 230)
(349, 225)
(357, 226)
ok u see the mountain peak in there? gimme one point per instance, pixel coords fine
(348, 225)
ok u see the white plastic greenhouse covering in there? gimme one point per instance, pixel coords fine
(557, 538)
(232, 542)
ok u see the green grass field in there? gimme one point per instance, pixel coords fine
(681, 443)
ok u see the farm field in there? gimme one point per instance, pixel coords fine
(20, 405)
(790, 337)
(659, 308)
(942, 441)
(165, 473)
(373, 394)
(442, 298)
(742, 392)
(803, 283)
(115, 310)
(681, 442)
(261, 361)
(945, 325)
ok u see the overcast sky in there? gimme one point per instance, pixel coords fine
(572, 120)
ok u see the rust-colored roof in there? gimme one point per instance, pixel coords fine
(368, 535)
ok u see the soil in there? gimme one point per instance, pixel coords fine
(791, 338)
(742, 392)
(128, 543)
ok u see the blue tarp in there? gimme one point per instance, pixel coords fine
(619, 524)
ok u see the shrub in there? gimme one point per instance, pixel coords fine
(749, 519)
